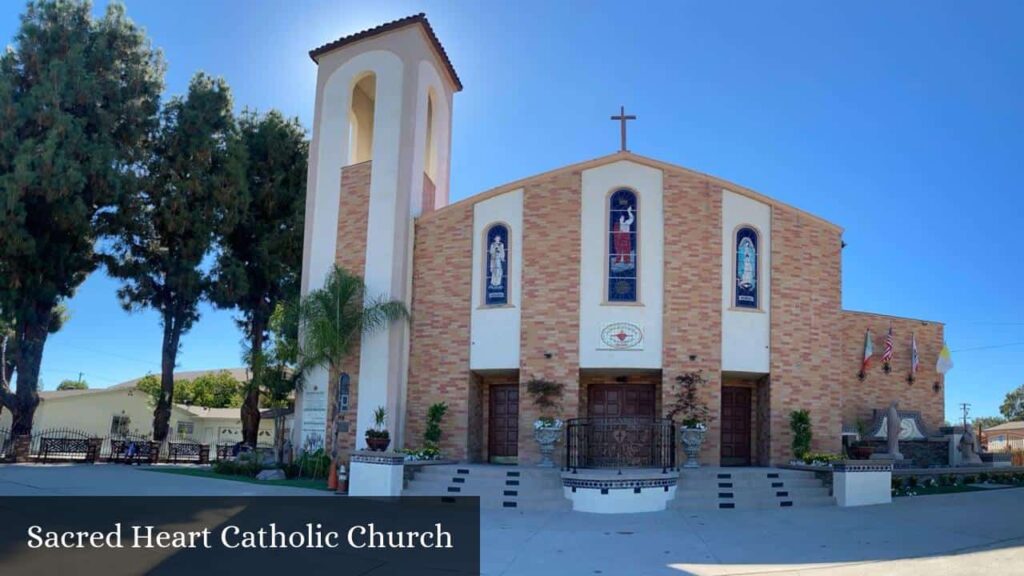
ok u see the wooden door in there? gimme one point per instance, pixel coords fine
(619, 432)
(503, 423)
(620, 400)
(735, 426)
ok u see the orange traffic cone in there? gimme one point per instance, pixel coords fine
(332, 477)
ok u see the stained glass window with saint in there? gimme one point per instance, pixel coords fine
(623, 224)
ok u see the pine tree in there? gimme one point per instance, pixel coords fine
(78, 97)
(261, 258)
(192, 184)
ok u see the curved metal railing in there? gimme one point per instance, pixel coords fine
(620, 442)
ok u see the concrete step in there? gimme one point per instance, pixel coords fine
(738, 483)
(758, 492)
(751, 503)
(743, 473)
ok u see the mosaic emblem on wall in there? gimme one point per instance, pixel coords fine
(623, 223)
(496, 282)
(746, 268)
(622, 336)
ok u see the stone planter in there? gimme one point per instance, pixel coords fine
(547, 437)
(692, 439)
(378, 443)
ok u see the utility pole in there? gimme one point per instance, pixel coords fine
(966, 408)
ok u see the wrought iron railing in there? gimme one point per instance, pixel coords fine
(620, 442)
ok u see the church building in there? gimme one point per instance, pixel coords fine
(613, 276)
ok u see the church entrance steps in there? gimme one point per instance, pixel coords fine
(507, 487)
(749, 488)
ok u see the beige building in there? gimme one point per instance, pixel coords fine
(1008, 435)
(124, 409)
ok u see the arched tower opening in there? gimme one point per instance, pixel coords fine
(360, 119)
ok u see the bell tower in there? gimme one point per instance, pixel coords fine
(383, 108)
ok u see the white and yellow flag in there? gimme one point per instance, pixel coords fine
(945, 361)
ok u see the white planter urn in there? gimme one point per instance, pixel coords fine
(692, 439)
(547, 435)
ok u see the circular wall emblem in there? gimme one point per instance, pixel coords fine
(622, 335)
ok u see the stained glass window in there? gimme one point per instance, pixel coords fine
(746, 268)
(623, 224)
(496, 260)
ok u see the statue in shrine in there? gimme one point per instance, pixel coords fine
(970, 447)
(892, 434)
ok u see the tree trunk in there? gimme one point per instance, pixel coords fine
(251, 405)
(162, 412)
(31, 340)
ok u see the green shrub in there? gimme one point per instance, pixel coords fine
(800, 424)
(970, 479)
(432, 434)
(240, 467)
(897, 483)
(983, 477)
(912, 482)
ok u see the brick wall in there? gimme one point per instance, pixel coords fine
(551, 297)
(692, 323)
(350, 253)
(878, 388)
(805, 331)
(439, 337)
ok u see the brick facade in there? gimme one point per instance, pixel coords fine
(805, 335)
(551, 297)
(350, 254)
(878, 389)
(439, 336)
(815, 346)
(692, 326)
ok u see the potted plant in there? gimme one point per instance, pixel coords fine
(693, 415)
(861, 449)
(547, 429)
(377, 438)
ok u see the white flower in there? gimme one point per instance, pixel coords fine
(541, 424)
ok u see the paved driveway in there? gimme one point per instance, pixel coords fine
(969, 533)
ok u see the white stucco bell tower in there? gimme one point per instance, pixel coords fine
(383, 96)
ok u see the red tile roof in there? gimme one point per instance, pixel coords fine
(420, 18)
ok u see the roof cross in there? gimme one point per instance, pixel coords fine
(623, 118)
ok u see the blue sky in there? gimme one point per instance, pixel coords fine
(901, 122)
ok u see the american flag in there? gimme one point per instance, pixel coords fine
(887, 353)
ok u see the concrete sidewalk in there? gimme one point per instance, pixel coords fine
(967, 533)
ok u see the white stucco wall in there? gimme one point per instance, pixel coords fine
(746, 333)
(329, 153)
(494, 341)
(595, 313)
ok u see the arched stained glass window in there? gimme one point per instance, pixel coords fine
(623, 267)
(746, 270)
(496, 261)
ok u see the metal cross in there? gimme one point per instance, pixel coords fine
(622, 118)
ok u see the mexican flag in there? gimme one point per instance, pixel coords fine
(869, 351)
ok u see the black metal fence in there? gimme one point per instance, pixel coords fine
(620, 442)
(6, 444)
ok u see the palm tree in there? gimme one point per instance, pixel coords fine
(333, 319)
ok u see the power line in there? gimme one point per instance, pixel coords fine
(992, 347)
